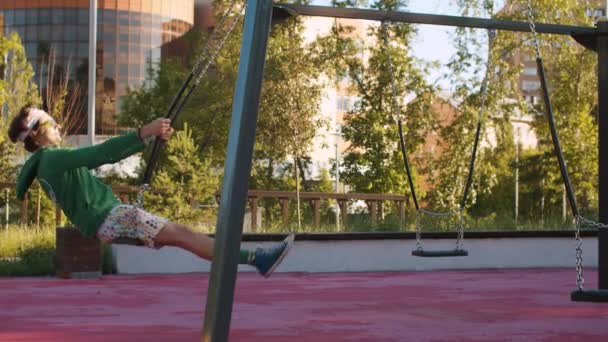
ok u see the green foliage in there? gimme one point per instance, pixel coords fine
(289, 117)
(185, 180)
(208, 108)
(573, 89)
(27, 252)
(41, 209)
(373, 162)
(16, 90)
(8, 169)
(30, 251)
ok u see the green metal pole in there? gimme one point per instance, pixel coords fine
(602, 50)
(237, 170)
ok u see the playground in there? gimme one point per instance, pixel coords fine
(472, 305)
(344, 286)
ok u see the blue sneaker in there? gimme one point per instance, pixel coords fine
(268, 259)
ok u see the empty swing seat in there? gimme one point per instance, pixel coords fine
(438, 254)
(592, 296)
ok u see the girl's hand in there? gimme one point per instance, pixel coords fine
(158, 128)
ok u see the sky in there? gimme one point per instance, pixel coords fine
(433, 43)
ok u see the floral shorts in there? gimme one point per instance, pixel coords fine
(127, 221)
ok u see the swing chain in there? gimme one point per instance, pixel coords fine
(139, 199)
(484, 83)
(210, 60)
(579, 253)
(421, 212)
(591, 223)
(395, 105)
(460, 238)
(203, 55)
(418, 232)
(531, 20)
(579, 222)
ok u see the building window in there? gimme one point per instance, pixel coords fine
(19, 17)
(109, 17)
(529, 71)
(83, 17)
(70, 49)
(109, 35)
(83, 50)
(45, 33)
(530, 85)
(123, 18)
(9, 17)
(346, 103)
(70, 32)
(108, 70)
(31, 33)
(83, 33)
(529, 58)
(44, 16)
(57, 32)
(595, 12)
(71, 16)
(343, 103)
(58, 49)
(531, 99)
(31, 16)
(58, 16)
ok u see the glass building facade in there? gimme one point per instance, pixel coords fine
(130, 35)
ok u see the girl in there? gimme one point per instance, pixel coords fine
(65, 176)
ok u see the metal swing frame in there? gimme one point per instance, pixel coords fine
(237, 167)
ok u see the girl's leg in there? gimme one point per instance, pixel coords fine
(125, 221)
(173, 234)
(265, 260)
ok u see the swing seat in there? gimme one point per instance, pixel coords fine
(591, 296)
(440, 253)
(127, 241)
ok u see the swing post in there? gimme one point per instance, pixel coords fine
(602, 56)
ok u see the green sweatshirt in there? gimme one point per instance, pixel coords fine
(65, 176)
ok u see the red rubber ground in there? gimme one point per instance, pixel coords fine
(487, 305)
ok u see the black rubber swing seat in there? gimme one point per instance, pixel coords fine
(127, 241)
(437, 254)
(592, 296)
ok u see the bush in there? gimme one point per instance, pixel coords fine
(26, 251)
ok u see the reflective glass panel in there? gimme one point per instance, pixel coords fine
(19, 17)
(31, 16)
(58, 16)
(44, 16)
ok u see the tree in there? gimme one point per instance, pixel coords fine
(16, 90)
(63, 96)
(572, 81)
(185, 181)
(16, 86)
(373, 162)
(288, 116)
(289, 110)
(208, 108)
